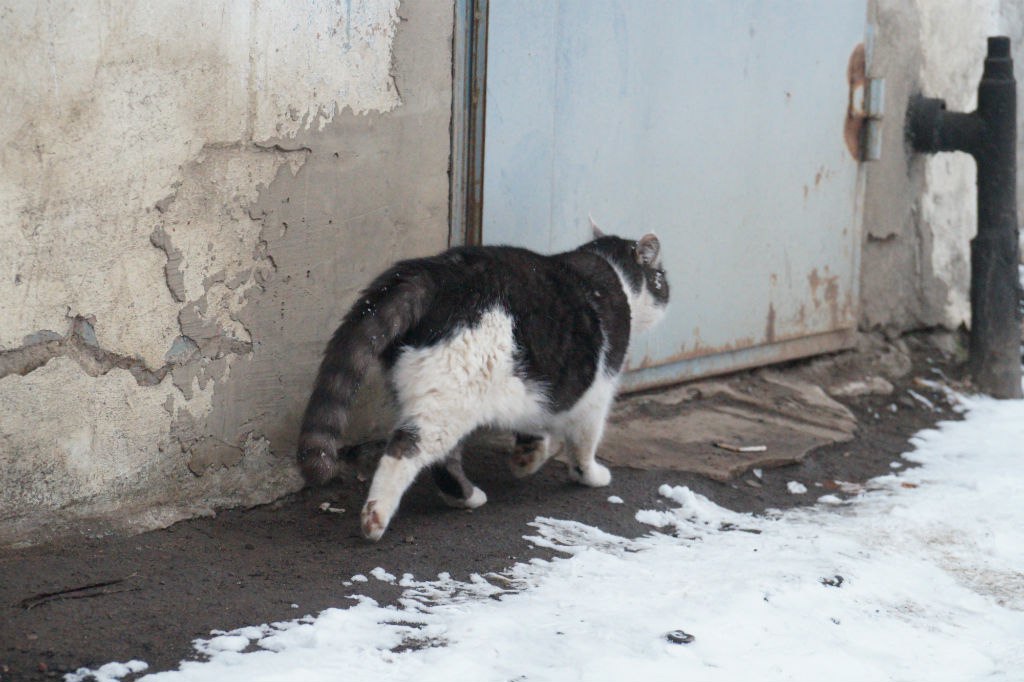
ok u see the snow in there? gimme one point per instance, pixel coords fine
(615, 499)
(918, 577)
(382, 575)
(796, 487)
(921, 399)
(106, 673)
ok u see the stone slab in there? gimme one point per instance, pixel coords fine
(685, 429)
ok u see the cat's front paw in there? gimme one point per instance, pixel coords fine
(529, 457)
(595, 476)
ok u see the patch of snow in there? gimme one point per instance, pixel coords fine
(921, 399)
(796, 487)
(895, 465)
(849, 487)
(382, 575)
(830, 499)
(359, 578)
(615, 499)
(758, 472)
(219, 643)
(917, 578)
(111, 672)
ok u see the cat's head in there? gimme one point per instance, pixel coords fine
(639, 265)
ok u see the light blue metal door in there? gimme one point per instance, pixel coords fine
(719, 126)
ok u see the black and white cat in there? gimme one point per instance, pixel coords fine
(495, 336)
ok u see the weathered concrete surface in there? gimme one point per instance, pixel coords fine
(920, 211)
(189, 197)
(722, 428)
(789, 412)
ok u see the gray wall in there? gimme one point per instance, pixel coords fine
(190, 196)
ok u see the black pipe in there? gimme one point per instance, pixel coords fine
(989, 134)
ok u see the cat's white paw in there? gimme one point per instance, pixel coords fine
(595, 476)
(373, 526)
(477, 499)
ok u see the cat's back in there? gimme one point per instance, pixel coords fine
(567, 312)
(467, 281)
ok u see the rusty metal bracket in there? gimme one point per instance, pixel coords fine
(866, 108)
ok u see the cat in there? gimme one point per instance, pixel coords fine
(486, 336)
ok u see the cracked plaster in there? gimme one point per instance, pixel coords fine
(136, 147)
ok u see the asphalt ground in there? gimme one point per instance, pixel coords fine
(148, 596)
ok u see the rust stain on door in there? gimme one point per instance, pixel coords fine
(856, 77)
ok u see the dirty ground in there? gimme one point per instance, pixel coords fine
(827, 424)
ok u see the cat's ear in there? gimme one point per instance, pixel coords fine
(648, 249)
(594, 228)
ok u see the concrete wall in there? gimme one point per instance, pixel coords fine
(920, 211)
(190, 195)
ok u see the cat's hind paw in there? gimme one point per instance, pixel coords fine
(372, 525)
(595, 476)
(477, 498)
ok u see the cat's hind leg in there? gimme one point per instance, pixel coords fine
(582, 436)
(530, 454)
(455, 487)
(406, 454)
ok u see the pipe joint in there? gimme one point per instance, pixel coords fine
(931, 128)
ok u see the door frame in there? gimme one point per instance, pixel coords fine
(469, 104)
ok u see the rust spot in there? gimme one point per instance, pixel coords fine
(769, 330)
(815, 281)
(699, 350)
(846, 311)
(832, 298)
(830, 293)
(855, 77)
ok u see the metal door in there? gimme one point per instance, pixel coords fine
(722, 127)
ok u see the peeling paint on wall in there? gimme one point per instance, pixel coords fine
(109, 447)
(334, 55)
(953, 42)
(153, 159)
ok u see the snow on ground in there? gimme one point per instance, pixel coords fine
(919, 578)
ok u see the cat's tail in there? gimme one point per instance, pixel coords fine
(384, 312)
